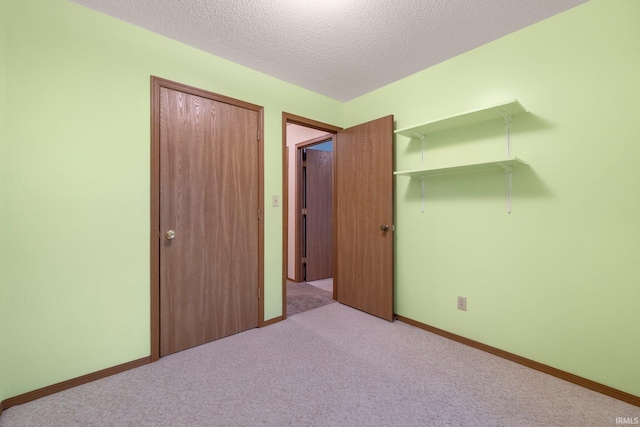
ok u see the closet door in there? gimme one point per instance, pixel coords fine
(209, 234)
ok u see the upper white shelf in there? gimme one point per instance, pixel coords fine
(494, 112)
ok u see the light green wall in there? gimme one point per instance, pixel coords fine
(75, 224)
(2, 188)
(557, 281)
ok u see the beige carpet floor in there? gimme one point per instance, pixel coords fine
(326, 284)
(303, 297)
(331, 366)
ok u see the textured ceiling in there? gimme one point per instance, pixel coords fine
(339, 48)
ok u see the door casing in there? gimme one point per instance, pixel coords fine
(302, 121)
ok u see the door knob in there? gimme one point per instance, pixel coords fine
(170, 235)
(384, 227)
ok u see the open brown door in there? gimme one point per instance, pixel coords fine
(318, 216)
(363, 217)
(208, 218)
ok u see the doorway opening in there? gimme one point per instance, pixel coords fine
(362, 211)
(308, 219)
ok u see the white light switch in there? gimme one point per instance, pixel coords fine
(275, 201)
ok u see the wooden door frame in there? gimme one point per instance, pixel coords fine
(298, 208)
(156, 84)
(302, 121)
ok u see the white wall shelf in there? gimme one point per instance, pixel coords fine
(505, 111)
(494, 112)
(471, 167)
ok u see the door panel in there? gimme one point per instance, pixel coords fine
(209, 197)
(363, 188)
(319, 217)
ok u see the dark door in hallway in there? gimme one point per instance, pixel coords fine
(209, 233)
(318, 214)
(363, 220)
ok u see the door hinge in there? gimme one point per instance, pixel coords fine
(258, 134)
(258, 293)
(304, 260)
(304, 211)
(258, 213)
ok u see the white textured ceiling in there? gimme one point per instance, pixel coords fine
(339, 48)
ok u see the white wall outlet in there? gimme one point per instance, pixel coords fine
(275, 201)
(462, 303)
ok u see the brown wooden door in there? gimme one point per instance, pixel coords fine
(363, 157)
(318, 222)
(209, 198)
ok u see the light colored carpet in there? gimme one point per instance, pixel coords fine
(326, 284)
(303, 297)
(332, 366)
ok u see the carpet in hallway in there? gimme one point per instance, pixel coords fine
(303, 297)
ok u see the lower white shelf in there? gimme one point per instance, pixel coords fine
(505, 164)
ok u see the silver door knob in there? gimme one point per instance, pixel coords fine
(384, 227)
(170, 235)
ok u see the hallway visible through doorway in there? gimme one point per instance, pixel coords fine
(305, 296)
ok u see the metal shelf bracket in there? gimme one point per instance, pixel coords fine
(507, 123)
(422, 190)
(508, 170)
(508, 177)
(422, 139)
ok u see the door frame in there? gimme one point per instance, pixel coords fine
(314, 124)
(155, 233)
(298, 208)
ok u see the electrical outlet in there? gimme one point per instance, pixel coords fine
(275, 201)
(462, 303)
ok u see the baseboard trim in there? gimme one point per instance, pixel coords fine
(575, 379)
(55, 388)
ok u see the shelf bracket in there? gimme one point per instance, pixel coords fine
(508, 177)
(422, 190)
(422, 139)
(507, 124)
